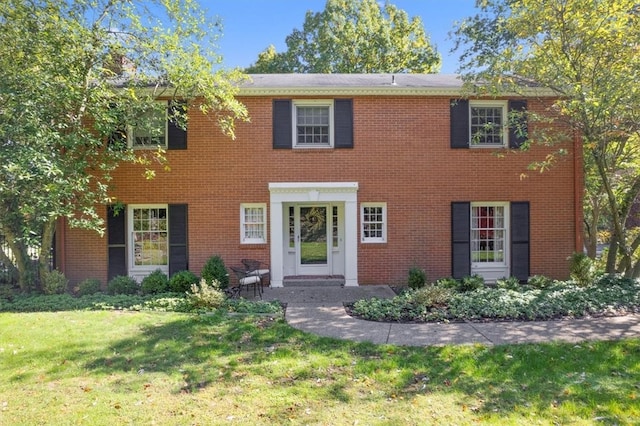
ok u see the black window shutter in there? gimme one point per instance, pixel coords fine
(460, 239)
(343, 122)
(520, 240)
(282, 125)
(518, 131)
(178, 247)
(459, 116)
(176, 136)
(116, 241)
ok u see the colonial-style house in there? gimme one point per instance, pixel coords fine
(354, 177)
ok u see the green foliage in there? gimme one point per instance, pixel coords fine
(87, 287)
(154, 283)
(417, 278)
(57, 72)
(122, 284)
(206, 296)
(354, 36)
(610, 295)
(54, 282)
(181, 281)
(468, 283)
(539, 281)
(511, 283)
(581, 268)
(215, 273)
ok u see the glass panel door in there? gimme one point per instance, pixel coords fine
(313, 236)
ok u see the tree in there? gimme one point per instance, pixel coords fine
(71, 73)
(353, 36)
(587, 51)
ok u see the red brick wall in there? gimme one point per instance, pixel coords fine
(401, 156)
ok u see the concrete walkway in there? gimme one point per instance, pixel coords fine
(321, 311)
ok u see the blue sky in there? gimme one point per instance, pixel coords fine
(252, 25)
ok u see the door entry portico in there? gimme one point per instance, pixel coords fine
(313, 230)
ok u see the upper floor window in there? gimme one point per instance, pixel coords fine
(374, 222)
(150, 130)
(313, 123)
(488, 123)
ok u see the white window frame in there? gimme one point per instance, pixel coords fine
(363, 223)
(131, 131)
(505, 124)
(312, 103)
(143, 269)
(506, 232)
(244, 239)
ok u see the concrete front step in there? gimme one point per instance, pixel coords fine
(313, 281)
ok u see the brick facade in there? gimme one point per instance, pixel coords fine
(401, 156)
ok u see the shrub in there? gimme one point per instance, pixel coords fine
(181, 281)
(450, 283)
(122, 284)
(539, 281)
(54, 282)
(214, 271)
(87, 287)
(156, 282)
(511, 283)
(432, 296)
(417, 278)
(205, 295)
(471, 283)
(581, 269)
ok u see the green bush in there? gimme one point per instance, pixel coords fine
(511, 283)
(156, 282)
(181, 281)
(122, 284)
(471, 283)
(450, 283)
(214, 272)
(581, 269)
(539, 281)
(206, 296)
(432, 296)
(87, 287)
(54, 282)
(417, 278)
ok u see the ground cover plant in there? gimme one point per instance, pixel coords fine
(469, 299)
(126, 367)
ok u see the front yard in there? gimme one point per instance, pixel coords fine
(123, 367)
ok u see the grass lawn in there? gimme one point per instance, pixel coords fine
(112, 367)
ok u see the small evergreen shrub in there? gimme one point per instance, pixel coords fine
(205, 295)
(449, 282)
(122, 284)
(581, 269)
(417, 278)
(511, 283)
(214, 271)
(87, 287)
(156, 282)
(54, 282)
(181, 281)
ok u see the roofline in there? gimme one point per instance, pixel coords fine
(382, 91)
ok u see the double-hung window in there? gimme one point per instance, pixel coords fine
(253, 223)
(373, 222)
(313, 124)
(149, 227)
(488, 123)
(150, 129)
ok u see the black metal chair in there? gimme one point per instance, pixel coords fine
(256, 267)
(246, 279)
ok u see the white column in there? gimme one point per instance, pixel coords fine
(277, 233)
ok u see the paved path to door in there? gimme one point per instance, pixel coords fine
(321, 311)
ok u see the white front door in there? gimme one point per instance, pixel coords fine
(489, 240)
